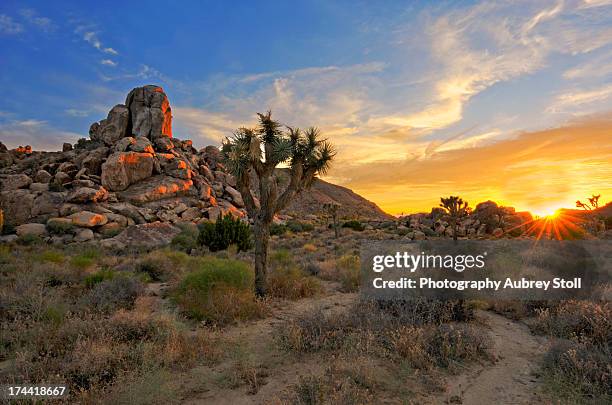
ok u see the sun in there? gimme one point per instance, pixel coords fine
(547, 213)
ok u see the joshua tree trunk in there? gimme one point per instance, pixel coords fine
(262, 235)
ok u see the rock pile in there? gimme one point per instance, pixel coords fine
(131, 171)
(487, 219)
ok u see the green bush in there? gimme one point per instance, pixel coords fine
(114, 293)
(278, 229)
(184, 242)
(354, 225)
(296, 226)
(28, 240)
(60, 227)
(212, 272)
(98, 277)
(224, 232)
(219, 291)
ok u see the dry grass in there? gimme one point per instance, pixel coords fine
(288, 280)
(65, 315)
(577, 366)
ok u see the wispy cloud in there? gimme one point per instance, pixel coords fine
(90, 36)
(9, 26)
(73, 112)
(32, 17)
(574, 101)
(600, 66)
(27, 132)
(108, 62)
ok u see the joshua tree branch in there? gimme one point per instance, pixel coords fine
(244, 185)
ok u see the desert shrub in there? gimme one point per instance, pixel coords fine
(114, 293)
(287, 280)
(29, 240)
(93, 354)
(86, 258)
(578, 372)
(309, 247)
(98, 277)
(311, 268)
(354, 225)
(60, 227)
(51, 256)
(297, 226)
(278, 229)
(5, 254)
(582, 320)
(342, 383)
(187, 239)
(292, 283)
(281, 258)
(349, 273)
(164, 265)
(220, 291)
(364, 323)
(224, 232)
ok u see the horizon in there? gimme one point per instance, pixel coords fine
(503, 102)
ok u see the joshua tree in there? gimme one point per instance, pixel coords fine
(593, 203)
(332, 208)
(457, 209)
(258, 151)
(590, 206)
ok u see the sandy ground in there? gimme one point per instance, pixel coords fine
(510, 379)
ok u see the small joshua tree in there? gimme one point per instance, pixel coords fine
(258, 151)
(456, 209)
(590, 206)
(332, 209)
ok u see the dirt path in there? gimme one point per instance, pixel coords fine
(512, 379)
(257, 337)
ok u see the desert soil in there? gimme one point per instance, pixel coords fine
(513, 378)
(510, 379)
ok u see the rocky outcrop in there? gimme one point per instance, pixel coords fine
(131, 171)
(150, 112)
(113, 128)
(486, 220)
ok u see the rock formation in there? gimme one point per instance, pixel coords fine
(487, 219)
(130, 171)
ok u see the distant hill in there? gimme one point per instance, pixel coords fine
(605, 211)
(352, 205)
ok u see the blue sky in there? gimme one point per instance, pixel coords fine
(391, 83)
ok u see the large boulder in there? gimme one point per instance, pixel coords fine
(15, 182)
(151, 235)
(157, 188)
(150, 112)
(124, 168)
(93, 161)
(87, 219)
(85, 194)
(113, 128)
(17, 206)
(31, 229)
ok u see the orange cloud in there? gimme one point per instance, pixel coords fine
(533, 171)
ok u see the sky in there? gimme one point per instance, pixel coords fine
(510, 101)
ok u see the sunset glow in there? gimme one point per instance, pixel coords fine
(503, 101)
